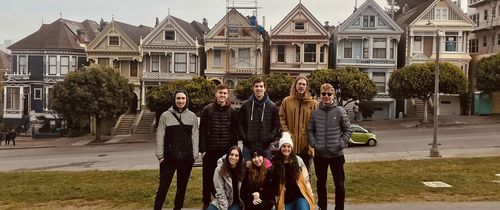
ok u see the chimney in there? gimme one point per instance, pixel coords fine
(405, 8)
(327, 23)
(82, 34)
(205, 22)
(157, 22)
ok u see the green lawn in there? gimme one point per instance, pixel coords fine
(392, 181)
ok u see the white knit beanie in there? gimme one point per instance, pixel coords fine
(286, 138)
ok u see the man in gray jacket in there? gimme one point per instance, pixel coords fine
(329, 132)
(176, 148)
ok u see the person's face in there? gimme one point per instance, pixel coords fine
(327, 96)
(234, 156)
(286, 149)
(257, 160)
(180, 100)
(222, 96)
(301, 86)
(259, 89)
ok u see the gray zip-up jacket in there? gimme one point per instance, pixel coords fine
(329, 130)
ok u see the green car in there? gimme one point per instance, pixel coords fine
(361, 135)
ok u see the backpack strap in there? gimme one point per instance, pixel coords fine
(178, 119)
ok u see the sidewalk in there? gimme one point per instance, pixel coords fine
(417, 122)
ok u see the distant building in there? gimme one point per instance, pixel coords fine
(38, 62)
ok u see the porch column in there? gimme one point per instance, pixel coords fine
(187, 62)
(318, 53)
(143, 94)
(370, 48)
(172, 62)
(388, 48)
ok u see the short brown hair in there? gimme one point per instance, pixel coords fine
(258, 80)
(221, 87)
(327, 87)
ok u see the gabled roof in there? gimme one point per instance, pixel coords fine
(361, 10)
(5, 60)
(411, 16)
(239, 21)
(60, 34)
(135, 33)
(300, 8)
(194, 30)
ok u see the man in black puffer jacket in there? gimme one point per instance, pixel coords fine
(259, 121)
(218, 133)
(329, 132)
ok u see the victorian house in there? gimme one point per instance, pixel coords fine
(368, 41)
(5, 65)
(38, 62)
(173, 50)
(484, 40)
(299, 44)
(422, 26)
(117, 46)
(234, 49)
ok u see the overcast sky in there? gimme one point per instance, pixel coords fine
(20, 18)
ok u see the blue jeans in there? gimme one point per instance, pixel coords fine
(231, 207)
(299, 204)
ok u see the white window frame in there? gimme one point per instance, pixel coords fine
(297, 24)
(155, 68)
(22, 64)
(310, 54)
(64, 67)
(281, 52)
(180, 64)
(193, 63)
(37, 93)
(113, 36)
(12, 100)
(382, 46)
(375, 80)
(244, 57)
(441, 13)
(73, 63)
(418, 44)
(136, 69)
(217, 58)
(165, 35)
(346, 41)
(52, 65)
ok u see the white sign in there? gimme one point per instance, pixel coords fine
(436, 184)
(497, 174)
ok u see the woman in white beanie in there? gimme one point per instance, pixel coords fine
(290, 178)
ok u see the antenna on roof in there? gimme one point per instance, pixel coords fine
(168, 11)
(60, 15)
(113, 17)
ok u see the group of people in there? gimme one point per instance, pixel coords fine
(8, 137)
(251, 177)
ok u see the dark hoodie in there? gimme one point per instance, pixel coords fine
(259, 123)
(174, 140)
(218, 127)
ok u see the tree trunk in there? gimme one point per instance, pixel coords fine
(98, 129)
(426, 101)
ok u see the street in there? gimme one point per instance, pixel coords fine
(413, 143)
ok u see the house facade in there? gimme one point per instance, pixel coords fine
(368, 41)
(117, 46)
(173, 50)
(299, 44)
(421, 25)
(38, 62)
(5, 66)
(484, 40)
(234, 49)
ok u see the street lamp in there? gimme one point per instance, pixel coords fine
(434, 149)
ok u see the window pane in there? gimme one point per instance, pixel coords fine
(379, 48)
(169, 35)
(13, 98)
(299, 26)
(114, 40)
(64, 64)
(379, 80)
(281, 53)
(347, 49)
(180, 62)
(192, 65)
(310, 52)
(244, 57)
(217, 58)
(52, 65)
(297, 54)
(133, 69)
(155, 67)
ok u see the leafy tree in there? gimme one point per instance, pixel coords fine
(487, 73)
(201, 92)
(277, 87)
(93, 91)
(417, 81)
(349, 83)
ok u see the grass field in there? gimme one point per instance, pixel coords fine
(369, 182)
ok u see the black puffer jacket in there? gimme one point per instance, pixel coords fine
(259, 123)
(218, 127)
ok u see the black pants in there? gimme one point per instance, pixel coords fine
(209, 165)
(337, 168)
(167, 170)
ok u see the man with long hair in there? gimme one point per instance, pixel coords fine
(295, 112)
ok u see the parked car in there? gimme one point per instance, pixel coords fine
(362, 135)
